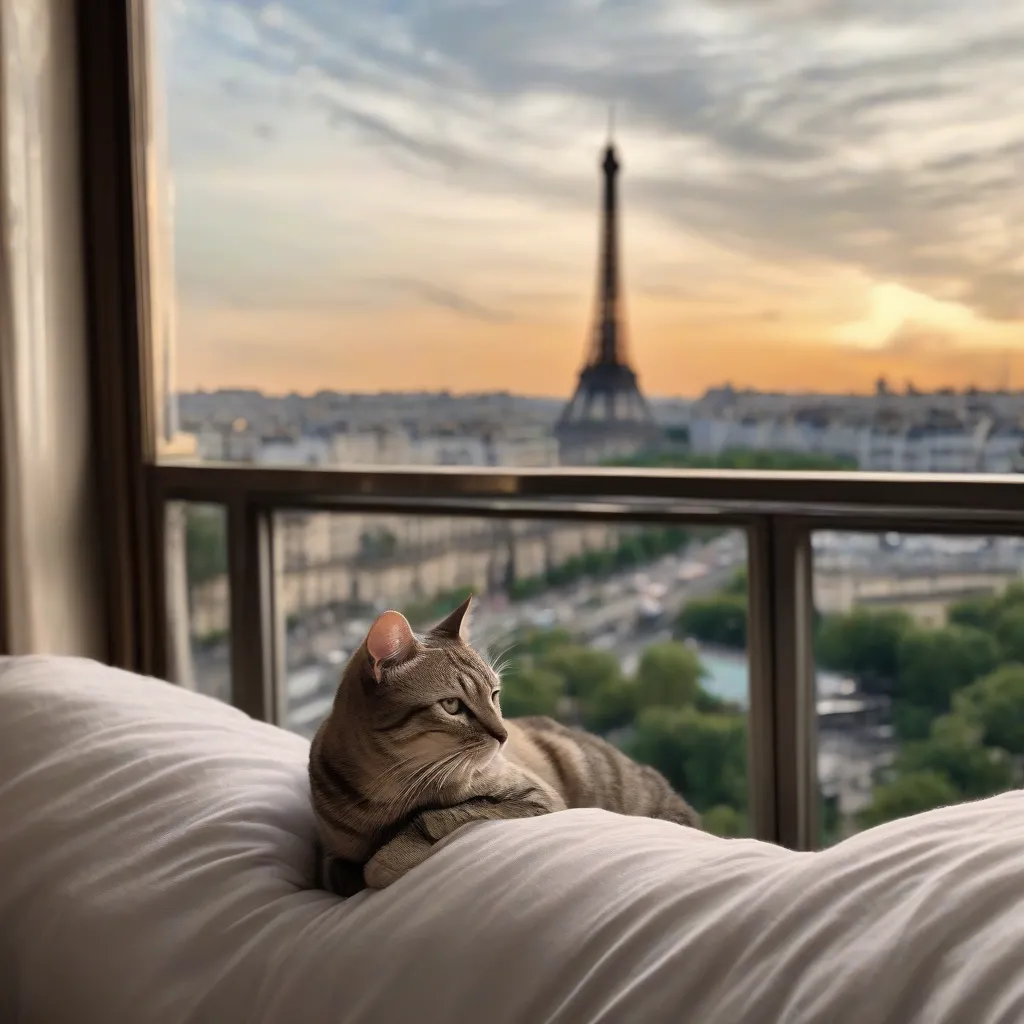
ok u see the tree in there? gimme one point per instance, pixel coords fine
(531, 691)
(911, 721)
(538, 642)
(206, 552)
(955, 750)
(612, 705)
(1009, 630)
(737, 583)
(1012, 596)
(995, 705)
(630, 552)
(723, 820)
(907, 794)
(709, 704)
(668, 675)
(864, 643)
(377, 544)
(983, 612)
(718, 620)
(704, 757)
(584, 671)
(933, 665)
(979, 612)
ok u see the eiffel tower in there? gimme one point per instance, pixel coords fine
(607, 415)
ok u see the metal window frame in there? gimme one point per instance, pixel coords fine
(778, 511)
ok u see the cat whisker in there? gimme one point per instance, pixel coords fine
(500, 661)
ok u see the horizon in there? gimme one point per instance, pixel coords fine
(407, 199)
(650, 396)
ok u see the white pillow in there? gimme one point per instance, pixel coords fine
(157, 854)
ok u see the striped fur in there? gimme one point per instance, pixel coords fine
(415, 746)
(588, 771)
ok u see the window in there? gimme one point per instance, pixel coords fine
(355, 373)
(385, 222)
(920, 646)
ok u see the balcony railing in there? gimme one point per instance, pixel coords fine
(778, 513)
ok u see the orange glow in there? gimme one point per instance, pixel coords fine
(676, 348)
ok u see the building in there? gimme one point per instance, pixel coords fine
(944, 432)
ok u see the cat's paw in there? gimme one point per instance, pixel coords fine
(381, 870)
(394, 859)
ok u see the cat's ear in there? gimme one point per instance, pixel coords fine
(390, 639)
(454, 626)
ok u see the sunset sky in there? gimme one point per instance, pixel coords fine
(403, 194)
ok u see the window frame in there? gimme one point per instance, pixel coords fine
(778, 511)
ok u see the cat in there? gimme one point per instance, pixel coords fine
(415, 746)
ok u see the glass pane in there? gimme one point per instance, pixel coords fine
(920, 650)
(376, 230)
(635, 633)
(198, 634)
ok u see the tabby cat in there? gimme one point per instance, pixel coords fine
(415, 746)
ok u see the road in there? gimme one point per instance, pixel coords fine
(603, 613)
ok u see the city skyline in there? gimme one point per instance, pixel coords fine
(404, 196)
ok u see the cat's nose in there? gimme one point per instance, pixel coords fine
(499, 732)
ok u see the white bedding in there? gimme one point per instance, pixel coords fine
(156, 857)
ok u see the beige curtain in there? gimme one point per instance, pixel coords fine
(48, 553)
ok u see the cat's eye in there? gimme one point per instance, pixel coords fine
(494, 695)
(452, 705)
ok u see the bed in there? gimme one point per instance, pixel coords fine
(157, 865)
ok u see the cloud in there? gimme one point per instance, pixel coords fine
(918, 339)
(443, 298)
(999, 294)
(883, 138)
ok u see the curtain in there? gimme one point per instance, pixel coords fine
(52, 594)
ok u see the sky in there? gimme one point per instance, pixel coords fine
(403, 194)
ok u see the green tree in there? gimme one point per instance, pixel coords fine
(612, 705)
(584, 671)
(1009, 630)
(206, 552)
(864, 643)
(933, 665)
(830, 821)
(979, 612)
(724, 820)
(539, 642)
(377, 544)
(531, 691)
(911, 721)
(737, 583)
(709, 704)
(955, 750)
(995, 704)
(718, 620)
(704, 757)
(598, 563)
(668, 676)
(526, 587)
(908, 794)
